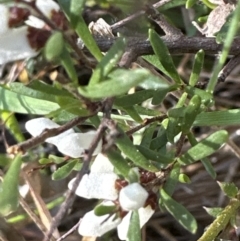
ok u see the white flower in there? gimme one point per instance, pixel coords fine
(132, 197)
(100, 184)
(14, 43)
(69, 143)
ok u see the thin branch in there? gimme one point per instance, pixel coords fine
(159, 18)
(145, 123)
(233, 62)
(73, 229)
(136, 15)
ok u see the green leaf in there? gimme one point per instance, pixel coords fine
(126, 146)
(54, 47)
(155, 156)
(4, 160)
(25, 90)
(206, 97)
(204, 148)
(159, 95)
(173, 128)
(180, 213)
(205, 161)
(101, 210)
(68, 64)
(9, 188)
(191, 112)
(190, 3)
(197, 66)
(160, 141)
(76, 8)
(183, 178)
(11, 101)
(56, 159)
(81, 29)
(119, 163)
(229, 189)
(134, 231)
(148, 135)
(164, 56)
(12, 125)
(130, 110)
(218, 118)
(133, 99)
(64, 171)
(172, 179)
(119, 83)
(214, 212)
(108, 62)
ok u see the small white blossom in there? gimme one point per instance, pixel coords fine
(96, 226)
(69, 143)
(14, 42)
(100, 183)
(145, 213)
(132, 197)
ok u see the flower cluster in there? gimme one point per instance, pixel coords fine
(102, 183)
(23, 34)
(69, 143)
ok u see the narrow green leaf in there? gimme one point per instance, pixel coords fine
(179, 212)
(4, 160)
(205, 161)
(183, 178)
(164, 56)
(155, 156)
(173, 128)
(148, 135)
(159, 96)
(67, 62)
(76, 8)
(9, 188)
(160, 141)
(22, 89)
(64, 171)
(206, 97)
(126, 146)
(81, 29)
(190, 3)
(119, 163)
(120, 82)
(108, 62)
(134, 231)
(130, 110)
(214, 212)
(191, 112)
(218, 118)
(101, 210)
(197, 66)
(229, 189)
(11, 101)
(12, 125)
(172, 179)
(204, 148)
(133, 99)
(54, 47)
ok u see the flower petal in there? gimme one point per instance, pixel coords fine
(96, 226)
(34, 22)
(144, 215)
(132, 197)
(101, 164)
(14, 45)
(4, 17)
(36, 126)
(74, 145)
(47, 6)
(99, 186)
